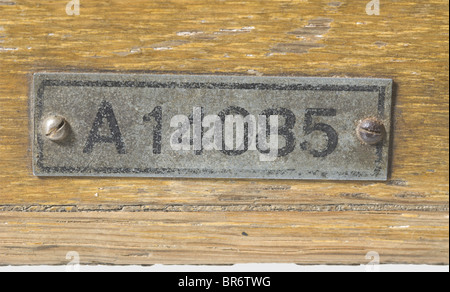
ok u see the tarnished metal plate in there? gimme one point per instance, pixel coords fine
(209, 126)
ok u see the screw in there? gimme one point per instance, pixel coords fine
(371, 131)
(56, 128)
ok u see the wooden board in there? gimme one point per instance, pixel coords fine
(186, 221)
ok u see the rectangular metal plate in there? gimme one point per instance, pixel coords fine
(189, 126)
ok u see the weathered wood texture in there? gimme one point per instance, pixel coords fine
(225, 237)
(145, 221)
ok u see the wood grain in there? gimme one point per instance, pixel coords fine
(223, 238)
(290, 221)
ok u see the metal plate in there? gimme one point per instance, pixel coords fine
(182, 126)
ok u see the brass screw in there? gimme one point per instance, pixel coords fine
(371, 131)
(56, 128)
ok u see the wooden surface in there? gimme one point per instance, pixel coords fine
(147, 221)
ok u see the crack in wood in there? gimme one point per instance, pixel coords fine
(309, 37)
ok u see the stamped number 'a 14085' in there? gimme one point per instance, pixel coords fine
(233, 131)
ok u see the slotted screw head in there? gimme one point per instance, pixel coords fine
(371, 131)
(55, 128)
